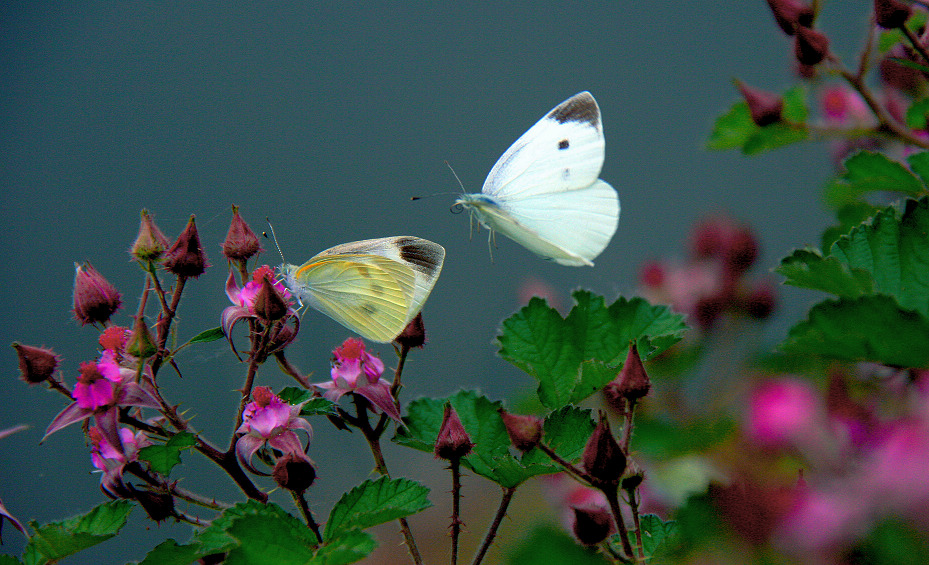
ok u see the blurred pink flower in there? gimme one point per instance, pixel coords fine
(782, 413)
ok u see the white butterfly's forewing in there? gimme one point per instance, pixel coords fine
(544, 193)
(562, 151)
(373, 287)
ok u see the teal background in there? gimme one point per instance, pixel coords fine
(326, 118)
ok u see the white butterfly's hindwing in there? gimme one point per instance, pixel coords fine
(544, 193)
(373, 287)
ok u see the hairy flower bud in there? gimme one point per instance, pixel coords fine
(891, 14)
(414, 334)
(186, 257)
(791, 14)
(294, 472)
(158, 505)
(241, 242)
(810, 46)
(95, 299)
(591, 525)
(270, 304)
(603, 458)
(633, 382)
(36, 364)
(141, 344)
(150, 243)
(764, 107)
(525, 431)
(453, 441)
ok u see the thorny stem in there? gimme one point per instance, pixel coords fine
(289, 369)
(228, 462)
(300, 501)
(568, 467)
(396, 386)
(257, 353)
(175, 490)
(456, 507)
(495, 525)
(164, 322)
(610, 491)
(628, 416)
(915, 42)
(634, 505)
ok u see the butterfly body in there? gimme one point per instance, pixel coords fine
(544, 193)
(373, 287)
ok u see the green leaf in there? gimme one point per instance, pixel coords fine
(806, 268)
(916, 115)
(164, 457)
(662, 439)
(170, 553)
(736, 130)
(774, 136)
(349, 547)
(870, 328)
(732, 129)
(919, 162)
(849, 216)
(268, 535)
(9, 560)
(375, 502)
(655, 532)
(566, 431)
(58, 540)
(207, 336)
(547, 545)
(868, 171)
(312, 407)
(893, 542)
(575, 356)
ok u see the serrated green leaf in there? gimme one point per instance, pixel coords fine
(349, 547)
(170, 553)
(312, 407)
(919, 162)
(375, 502)
(58, 540)
(655, 532)
(270, 536)
(732, 129)
(849, 215)
(867, 171)
(164, 457)
(553, 350)
(807, 268)
(547, 545)
(207, 336)
(869, 328)
(566, 431)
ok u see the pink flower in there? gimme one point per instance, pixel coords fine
(842, 106)
(357, 371)
(111, 455)
(269, 420)
(245, 296)
(783, 412)
(243, 300)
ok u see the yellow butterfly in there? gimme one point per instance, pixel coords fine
(372, 287)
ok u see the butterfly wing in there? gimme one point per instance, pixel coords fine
(373, 287)
(562, 151)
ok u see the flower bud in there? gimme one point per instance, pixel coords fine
(453, 441)
(270, 305)
(150, 243)
(591, 525)
(891, 14)
(764, 107)
(141, 344)
(603, 458)
(652, 275)
(262, 396)
(158, 505)
(241, 242)
(294, 472)
(633, 382)
(36, 364)
(741, 250)
(810, 46)
(414, 334)
(95, 299)
(525, 431)
(114, 338)
(760, 301)
(186, 257)
(791, 14)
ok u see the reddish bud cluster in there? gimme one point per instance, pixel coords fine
(414, 334)
(603, 458)
(891, 14)
(796, 18)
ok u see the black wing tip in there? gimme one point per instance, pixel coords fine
(426, 254)
(579, 108)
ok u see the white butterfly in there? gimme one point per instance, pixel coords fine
(544, 194)
(372, 287)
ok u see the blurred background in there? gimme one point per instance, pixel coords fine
(326, 118)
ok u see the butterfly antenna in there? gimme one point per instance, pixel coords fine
(447, 164)
(274, 239)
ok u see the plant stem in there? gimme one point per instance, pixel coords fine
(612, 497)
(568, 467)
(634, 506)
(300, 500)
(495, 525)
(628, 417)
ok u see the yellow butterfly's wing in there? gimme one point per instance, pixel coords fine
(369, 294)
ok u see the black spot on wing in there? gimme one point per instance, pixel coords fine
(563, 144)
(414, 252)
(579, 108)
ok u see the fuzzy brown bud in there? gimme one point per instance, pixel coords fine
(150, 244)
(810, 46)
(36, 364)
(525, 431)
(186, 257)
(633, 382)
(764, 107)
(453, 441)
(603, 458)
(294, 472)
(270, 304)
(241, 242)
(791, 14)
(141, 344)
(591, 525)
(95, 299)
(414, 334)
(891, 14)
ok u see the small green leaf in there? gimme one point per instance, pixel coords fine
(164, 457)
(868, 171)
(9, 560)
(870, 328)
(732, 129)
(849, 216)
(806, 268)
(312, 407)
(573, 357)
(170, 553)
(919, 162)
(547, 545)
(375, 502)
(774, 136)
(736, 130)
(655, 532)
(58, 540)
(916, 115)
(349, 547)
(207, 336)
